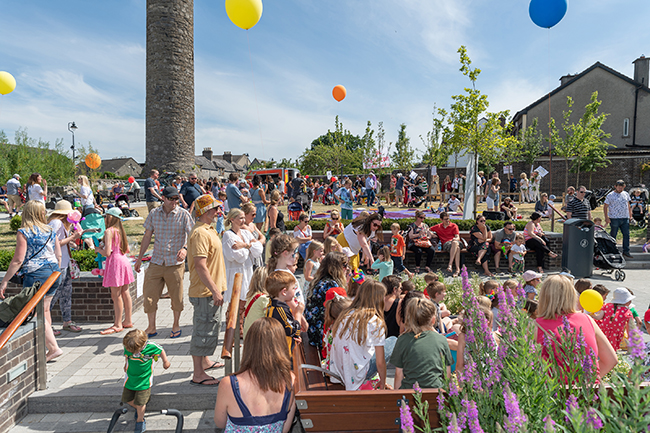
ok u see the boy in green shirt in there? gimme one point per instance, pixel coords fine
(140, 355)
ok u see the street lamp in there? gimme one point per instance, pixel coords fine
(72, 128)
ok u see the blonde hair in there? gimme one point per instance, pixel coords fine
(275, 197)
(557, 297)
(419, 315)
(331, 245)
(313, 247)
(247, 208)
(112, 221)
(258, 281)
(84, 181)
(60, 217)
(234, 213)
(484, 302)
(395, 226)
(134, 340)
(368, 304)
(332, 267)
(33, 217)
(489, 287)
(335, 213)
(523, 176)
(510, 284)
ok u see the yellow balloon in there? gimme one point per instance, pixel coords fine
(244, 13)
(591, 301)
(7, 83)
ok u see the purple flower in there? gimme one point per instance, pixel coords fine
(453, 388)
(549, 424)
(594, 420)
(580, 341)
(566, 325)
(453, 425)
(515, 418)
(635, 344)
(416, 387)
(406, 418)
(521, 292)
(572, 409)
(462, 415)
(441, 401)
(472, 417)
(588, 363)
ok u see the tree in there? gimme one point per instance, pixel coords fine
(529, 144)
(336, 151)
(470, 127)
(404, 156)
(436, 151)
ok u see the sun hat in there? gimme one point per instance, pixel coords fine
(62, 207)
(531, 275)
(204, 203)
(114, 211)
(622, 296)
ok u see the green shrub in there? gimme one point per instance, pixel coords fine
(15, 223)
(85, 259)
(5, 259)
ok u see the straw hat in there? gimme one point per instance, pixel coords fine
(62, 207)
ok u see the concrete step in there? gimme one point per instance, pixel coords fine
(630, 264)
(94, 422)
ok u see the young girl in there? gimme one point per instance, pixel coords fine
(360, 348)
(284, 256)
(488, 289)
(421, 354)
(333, 228)
(314, 256)
(384, 263)
(523, 188)
(406, 298)
(118, 273)
(333, 309)
(617, 317)
(518, 251)
(331, 244)
(393, 285)
(256, 299)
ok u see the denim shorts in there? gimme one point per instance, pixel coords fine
(42, 274)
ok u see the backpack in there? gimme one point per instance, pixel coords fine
(12, 305)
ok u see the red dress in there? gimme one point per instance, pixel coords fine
(613, 324)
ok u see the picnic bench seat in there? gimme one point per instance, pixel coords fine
(327, 407)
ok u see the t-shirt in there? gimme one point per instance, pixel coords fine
(400, 183)
(518, 250)
(421, 359)
(579, 208)
(453, 204)
(346, 198)
(296, 185)
(445, 234)
(350, 360)
(233, 195)
(385, 268)
(530, 289)
(190, 192)
(397, 245)
(139, 370)
(618, 205)
(204, 242)
(282, 313)
(646, 317)
(35, 192)
(150, 183)
(13, 185)
(61, 233)
(501, 234)
(89, 200)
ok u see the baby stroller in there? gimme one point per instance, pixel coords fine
(295, 209)
(607, 257)
(638, 204)
(417, 196)
(305, 199)
(122, 203)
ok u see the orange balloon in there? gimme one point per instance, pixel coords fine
(339, 92)
(93, 160)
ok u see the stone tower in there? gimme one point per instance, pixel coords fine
(170, 85)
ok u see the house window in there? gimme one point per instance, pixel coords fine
(626, 127)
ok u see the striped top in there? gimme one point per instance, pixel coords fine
(171, 231)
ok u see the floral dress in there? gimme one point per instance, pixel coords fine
(315, 311)
(613, 324)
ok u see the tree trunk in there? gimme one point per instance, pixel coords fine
(475, 183)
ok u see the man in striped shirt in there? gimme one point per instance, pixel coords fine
(172, 226)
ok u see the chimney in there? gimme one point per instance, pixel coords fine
(227, 156)
(641, 70)
(207, 153)
(565, 79)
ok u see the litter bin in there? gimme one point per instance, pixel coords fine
(578, 247)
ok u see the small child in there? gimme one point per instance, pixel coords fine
(602, 291)
(331, 244)
(489, 290)
(139, 355)
(598, 225)
(532, 279)
(333, 309)
(407, 286)
(581, 285)
(436, 291)
(314, 256)
(220, 227)
(256, 299)
(430, 277)
(518, 251)
(284, 307)
(398, 250)
(617, 317)
(383, 263)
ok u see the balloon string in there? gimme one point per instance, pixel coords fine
(550, 143)
(259, 121)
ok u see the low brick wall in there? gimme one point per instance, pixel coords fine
(17, 362)
(90, 301)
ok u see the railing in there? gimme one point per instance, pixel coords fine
(40, 328)
(231, 337)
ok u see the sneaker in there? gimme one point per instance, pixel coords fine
(627, 256)
(141, 426)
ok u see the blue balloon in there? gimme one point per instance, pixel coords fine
(547, 13)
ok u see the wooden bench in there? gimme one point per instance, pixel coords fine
(327, 407)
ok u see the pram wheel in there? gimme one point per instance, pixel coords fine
(619, 275)
(135, 213)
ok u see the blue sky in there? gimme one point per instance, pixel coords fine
(84, 61)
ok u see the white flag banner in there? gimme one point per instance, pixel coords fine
(542, 171)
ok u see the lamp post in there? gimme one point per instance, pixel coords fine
(72, 128)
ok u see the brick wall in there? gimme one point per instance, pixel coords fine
(90, 301)
(19, 351)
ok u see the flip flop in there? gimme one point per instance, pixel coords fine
(152, 334)
(202, 383)
(175, 334)
(216, 364)
(111, 330)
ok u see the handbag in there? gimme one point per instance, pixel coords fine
(73, 266)
(422, 242)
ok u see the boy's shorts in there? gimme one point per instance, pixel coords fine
(139, 398)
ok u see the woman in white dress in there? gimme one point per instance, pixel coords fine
(523, 187)
(34, 189)
(240, 249)
(533, 189)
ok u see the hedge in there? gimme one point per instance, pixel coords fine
(463, 225)
(85, 259)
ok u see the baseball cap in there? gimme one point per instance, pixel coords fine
(114, 211)
(170, 191)
(531, 275)
(204, 203)
(17, 176)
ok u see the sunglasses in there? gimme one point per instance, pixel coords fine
(335, 219)
(172, 198)
(481, 221)
(294, 252)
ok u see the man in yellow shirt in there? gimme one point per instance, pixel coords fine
(207, 284)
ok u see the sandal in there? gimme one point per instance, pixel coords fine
(111, 330)
(56, 332)
(72, 327)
